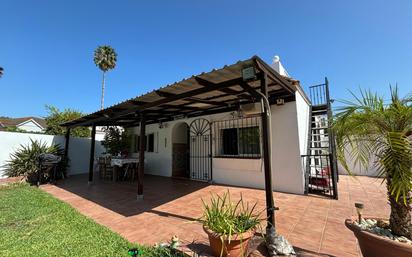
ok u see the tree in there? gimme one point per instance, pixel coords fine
(105, 58)
(116, 140)
(56, 117)
(368, 129)
(1, 72)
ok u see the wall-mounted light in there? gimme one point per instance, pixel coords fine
(248, 73)
(280, 101)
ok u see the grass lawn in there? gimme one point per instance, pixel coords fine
(33, 223)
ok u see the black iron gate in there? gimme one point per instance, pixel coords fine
(200, 150)
(320, 176)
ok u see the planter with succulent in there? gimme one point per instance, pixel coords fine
(374, 132)
(229, 225)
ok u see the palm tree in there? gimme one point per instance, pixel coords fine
(371, 132)
(105, 58)
(1, 72)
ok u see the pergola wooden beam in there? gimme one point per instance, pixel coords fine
(66, 148)
(140, 172)
(252, 91)
(91, 160)
(267, 161)
(193, 99)
(228, 91)
(167, 100)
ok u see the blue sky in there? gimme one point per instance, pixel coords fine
(46, 47)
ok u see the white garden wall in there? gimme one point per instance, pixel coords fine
(79, 148)
(357, 169)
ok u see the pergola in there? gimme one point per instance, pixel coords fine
(217, 91)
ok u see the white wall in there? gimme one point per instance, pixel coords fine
(79, 148)
(357, 169)
(288, 175)
(287, 166)
(303, 111)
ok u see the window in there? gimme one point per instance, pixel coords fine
(149, 146)
(244, 142)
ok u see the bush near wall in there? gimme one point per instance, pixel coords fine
(24, 161)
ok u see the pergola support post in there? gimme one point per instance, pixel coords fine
(91, 160)
(142, 143)
(66, 149)
(267, 160)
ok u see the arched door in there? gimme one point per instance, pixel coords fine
(200, 150)
(180, 151)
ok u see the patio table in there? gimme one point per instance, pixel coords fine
(122, 161)
(116, 163)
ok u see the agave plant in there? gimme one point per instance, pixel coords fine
(372, 132)
(105, 58)
(24, 161)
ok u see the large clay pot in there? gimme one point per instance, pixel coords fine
(373, 245)
(237, 247)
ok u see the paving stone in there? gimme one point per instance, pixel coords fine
(312, 224)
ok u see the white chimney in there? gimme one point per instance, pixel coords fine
(277, 66)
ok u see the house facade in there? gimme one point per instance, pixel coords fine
(228, 148)
(28, 124)
(173, 149)
(247, 124)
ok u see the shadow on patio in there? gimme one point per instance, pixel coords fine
(121, 196)
(314, 225)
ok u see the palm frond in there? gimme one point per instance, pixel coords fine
(372, 133)
(105, 58)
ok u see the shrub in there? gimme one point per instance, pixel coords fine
(116, 140)
(56, 117)
(24, 161)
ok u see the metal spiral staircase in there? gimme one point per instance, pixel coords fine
(321, 171)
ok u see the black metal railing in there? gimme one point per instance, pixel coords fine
(319, 94)
(320, 174)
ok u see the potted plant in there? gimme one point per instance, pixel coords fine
(371, 131)
(229, 225)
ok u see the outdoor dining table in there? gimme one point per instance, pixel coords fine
(117, 163)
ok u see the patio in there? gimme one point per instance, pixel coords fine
(310, 223)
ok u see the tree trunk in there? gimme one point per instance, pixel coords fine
(102, 100)
(400, 219)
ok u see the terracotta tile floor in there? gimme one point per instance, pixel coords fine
(311, 223)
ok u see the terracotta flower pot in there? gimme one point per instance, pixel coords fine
(237, 247)
(373, 245)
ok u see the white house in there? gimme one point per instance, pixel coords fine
(29, 124)
(171, 150)
(212, 127)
